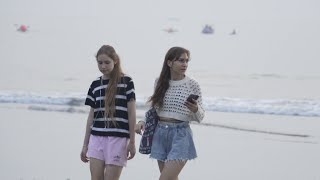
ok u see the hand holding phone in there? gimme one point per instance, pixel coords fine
(192, 96)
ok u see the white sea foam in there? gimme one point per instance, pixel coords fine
(292, 107)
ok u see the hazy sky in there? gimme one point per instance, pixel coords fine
(229, 9)
(286, 31)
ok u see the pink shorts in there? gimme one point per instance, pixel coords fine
(111, 150)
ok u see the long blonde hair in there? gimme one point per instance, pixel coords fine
(115, 78)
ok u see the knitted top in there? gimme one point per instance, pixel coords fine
(175, 97)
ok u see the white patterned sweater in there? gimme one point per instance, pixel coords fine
(175, 97)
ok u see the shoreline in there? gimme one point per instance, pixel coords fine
(233, 121)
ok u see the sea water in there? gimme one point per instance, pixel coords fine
(270, 66)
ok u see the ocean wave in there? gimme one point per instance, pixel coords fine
(275, 76)
(291, 107)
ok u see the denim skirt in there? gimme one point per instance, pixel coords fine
(173, 141)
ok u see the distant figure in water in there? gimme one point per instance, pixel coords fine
(23, 28)
(170, 30)
(207, 29)
(233, 32)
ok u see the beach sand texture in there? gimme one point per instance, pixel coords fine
(53, 151)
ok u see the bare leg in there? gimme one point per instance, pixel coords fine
(97, 169)
(112, 172)
(171, 169)
(161, 165)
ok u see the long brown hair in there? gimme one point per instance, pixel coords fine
(163, 83)
(115, 78)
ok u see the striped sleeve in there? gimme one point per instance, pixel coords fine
(130, 91)
(90, 100)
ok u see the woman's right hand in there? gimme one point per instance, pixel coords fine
(83, 154)
(139, 127)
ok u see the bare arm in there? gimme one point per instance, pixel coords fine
(140, 127)
(132, 123)
(88, 128)
(84, 151)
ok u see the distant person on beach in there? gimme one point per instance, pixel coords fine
(110, 138)
(173, 144)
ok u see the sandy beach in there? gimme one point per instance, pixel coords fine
(52, 151)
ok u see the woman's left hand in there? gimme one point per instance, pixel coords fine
(83, 154)
(192, 106)
(131, 150)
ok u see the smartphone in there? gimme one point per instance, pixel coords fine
(192, 96)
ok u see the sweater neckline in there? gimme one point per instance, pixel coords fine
(178, 82)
